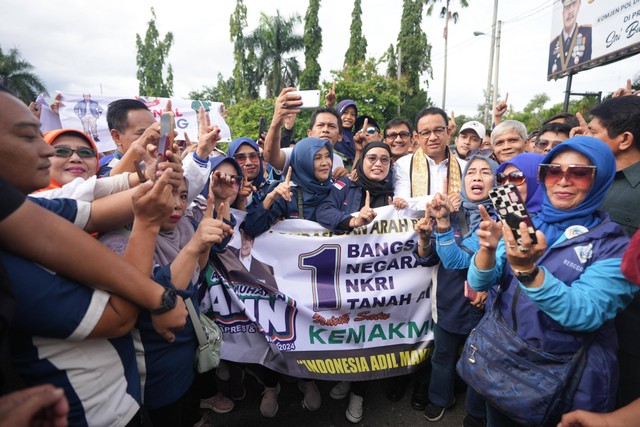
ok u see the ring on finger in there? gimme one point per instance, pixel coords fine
(523, 249)
(512, 246)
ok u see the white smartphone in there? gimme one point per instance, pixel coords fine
(310, 98)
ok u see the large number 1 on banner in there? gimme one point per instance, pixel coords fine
(324, 264)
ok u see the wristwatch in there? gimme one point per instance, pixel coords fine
(169, 301)
(526, 277)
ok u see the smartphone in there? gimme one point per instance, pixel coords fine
(310, 98)
(469, 292)
(510, 207)
(263, 127)
(166, 135)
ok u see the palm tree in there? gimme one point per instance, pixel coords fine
(447, 15)
(274, 38)
(15, 73)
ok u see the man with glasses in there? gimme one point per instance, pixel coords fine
(398, 136)
(430, 169)
(549, 136)
(469, 138)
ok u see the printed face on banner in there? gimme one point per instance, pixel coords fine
(88, 114)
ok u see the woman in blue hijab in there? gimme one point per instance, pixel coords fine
(307, 183)
(567, 288)
(522, 170)
(246, 152)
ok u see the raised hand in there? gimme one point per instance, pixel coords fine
(424, 227)
(489, 232)
(582, 129)
(224, 187)
(500, 109)
(442, 208)
(208, 135)
(153, 202)
(359, 139)
(331, 96)
(399, 203)
(366, 214)
(211, 230)
(283, 190)
(452, 124)
(524, 255)
(287, 103)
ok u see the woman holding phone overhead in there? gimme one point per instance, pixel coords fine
(560, 295)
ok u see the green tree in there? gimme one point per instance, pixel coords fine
(357, 43)
(414, 57)
(312, 46)
(376, 94)
(245, 79)
(446, 13)
(274, 38)
(150, 59)
(16, 74)
(392, 62)
(223, 91)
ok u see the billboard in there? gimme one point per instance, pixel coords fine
(589, 33)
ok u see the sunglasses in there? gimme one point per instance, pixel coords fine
(83, 152)
(542, 144)
(371, 130)
(581, 175)
(515, 177)
(241, 158)
(374, 159)
(485, 152)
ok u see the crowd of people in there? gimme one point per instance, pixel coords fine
(100, 252)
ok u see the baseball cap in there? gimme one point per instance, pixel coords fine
(360, 122)
(475, 126)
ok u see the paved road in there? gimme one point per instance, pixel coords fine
(378, 410)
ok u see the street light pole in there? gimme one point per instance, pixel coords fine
(496, 74)
(493, 44)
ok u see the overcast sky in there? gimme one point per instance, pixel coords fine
(84, 45)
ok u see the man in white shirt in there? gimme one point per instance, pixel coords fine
(414, 179)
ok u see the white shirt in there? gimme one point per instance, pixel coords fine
(437, 175)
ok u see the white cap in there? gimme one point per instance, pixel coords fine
(475, 126)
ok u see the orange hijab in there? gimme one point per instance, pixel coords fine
(50, 138)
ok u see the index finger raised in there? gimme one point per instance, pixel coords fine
(219, 213)
(581, 119)
(287, 179)
(208, 213)
(483, 213)
(367, 200)
(506, 98)
(333, 88)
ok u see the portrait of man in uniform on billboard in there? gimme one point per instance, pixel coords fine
(573, 46)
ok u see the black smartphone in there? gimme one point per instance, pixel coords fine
(262, 128)
(166, 135)
(511, 208)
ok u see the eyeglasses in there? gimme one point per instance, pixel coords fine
(394, 135)
(373, 158)
(242, 158)
(543, 143)
(580, 175)
(83, 152)
(371, 130)
(515, 177)
(438, 132)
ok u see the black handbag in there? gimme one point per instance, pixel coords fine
(530, 386)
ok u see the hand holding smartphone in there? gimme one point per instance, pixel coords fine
(166, 136)
(469, 292)
(263, 127)
(511, 208)
(309, 98)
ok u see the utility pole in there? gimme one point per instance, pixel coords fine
(496, 73)
(488, 104)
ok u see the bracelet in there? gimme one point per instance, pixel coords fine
(424, 248)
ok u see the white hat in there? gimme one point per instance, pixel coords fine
(475, 126)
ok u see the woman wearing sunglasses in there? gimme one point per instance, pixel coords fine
(522, 170)
(565, 290)
(76, 156)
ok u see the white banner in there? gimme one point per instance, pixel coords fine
(306, 302)
(88, 113)
(606, 31)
